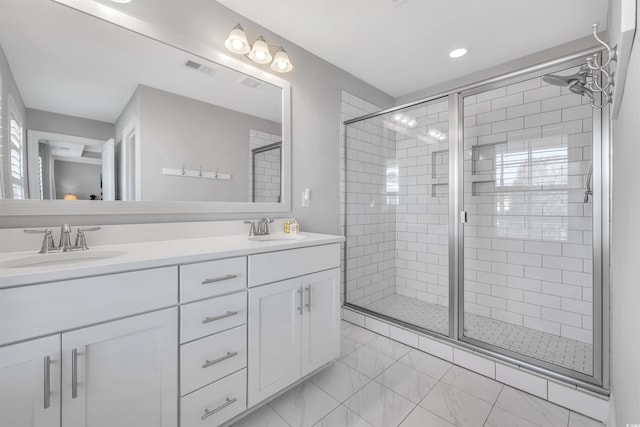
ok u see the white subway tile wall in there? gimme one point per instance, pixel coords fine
(370, 225)
(528, 246)
(267, 168)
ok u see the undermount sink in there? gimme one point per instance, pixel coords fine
(277, 236)
(60, 258)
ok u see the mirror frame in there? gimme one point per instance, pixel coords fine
(31, 207)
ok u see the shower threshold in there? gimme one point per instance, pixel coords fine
(561, 351)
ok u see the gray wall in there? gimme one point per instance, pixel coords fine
(625, 250)
(176, 130)
(8, 87)
(81, 179)
(47, 121)
(316, 100)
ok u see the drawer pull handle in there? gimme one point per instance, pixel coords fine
(74, 373)
(219, 279)
(208, 413)
(229, 355)
(47, 382)
(222, 316)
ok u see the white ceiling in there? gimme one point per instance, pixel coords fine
(70, 63)
(403, 47)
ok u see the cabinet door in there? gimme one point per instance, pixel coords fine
(321, 319)
(30, 383)
(274, 338)
(122, 373)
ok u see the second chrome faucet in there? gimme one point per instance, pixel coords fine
(64, 245)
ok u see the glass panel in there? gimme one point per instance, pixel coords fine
(527, 243)
(397, 215)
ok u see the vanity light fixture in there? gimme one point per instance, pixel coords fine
(457, 53)
(237, 41)
(259, 52)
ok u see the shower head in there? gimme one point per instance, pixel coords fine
(580, 89)
(579, 77)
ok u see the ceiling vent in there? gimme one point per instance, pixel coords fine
(199, 67)
(252, 83)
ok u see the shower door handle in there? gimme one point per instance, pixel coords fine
(463, 217)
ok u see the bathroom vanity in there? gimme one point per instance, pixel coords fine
(185, 332)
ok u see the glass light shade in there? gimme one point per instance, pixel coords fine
(70, 196)
(281, 62)
(237, 41)
(260, 52)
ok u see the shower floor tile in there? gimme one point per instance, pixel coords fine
(561, 351)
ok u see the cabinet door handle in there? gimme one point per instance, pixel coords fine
(300, 308)
(74, 373)
(208, 413)
(219, 279)
(47, 382)
(229, 355)
(308, 305)
(222, 316)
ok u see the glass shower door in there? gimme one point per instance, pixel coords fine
(528, 255)
(397, 201)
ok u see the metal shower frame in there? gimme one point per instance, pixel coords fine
(599, 381)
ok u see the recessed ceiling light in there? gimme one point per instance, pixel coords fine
(121, 1)
(457, 53)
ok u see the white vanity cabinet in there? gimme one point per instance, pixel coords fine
(122, 373)
(189, 342)
(294, 324)
(30, 383)
(116, 372)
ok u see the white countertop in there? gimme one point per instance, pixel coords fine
(152, 254)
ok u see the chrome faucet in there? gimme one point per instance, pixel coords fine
(259, 227)
(65, 238)
(263, 226)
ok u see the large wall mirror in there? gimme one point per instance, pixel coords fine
(102, 113)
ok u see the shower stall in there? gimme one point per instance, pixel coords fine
(480, 217)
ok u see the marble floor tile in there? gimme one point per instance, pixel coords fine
(340, 381)
(304, 405)
(388, 347)
(426, 363)
(577, 420)
(459, 408)
(532, 408)
(501, 418)
(347, 346)
(368, 362)
(379, 406)
(407, 382)
(420, 417)
(475, 384)
(263, 417)
(358, 334)
(342, 417)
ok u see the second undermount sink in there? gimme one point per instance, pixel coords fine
(277, 236)
(60, 258)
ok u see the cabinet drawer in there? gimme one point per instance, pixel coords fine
(274, 266)
(35, 310)
(215, 403)
(211, 278)
(211, 358)
(211, 316)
